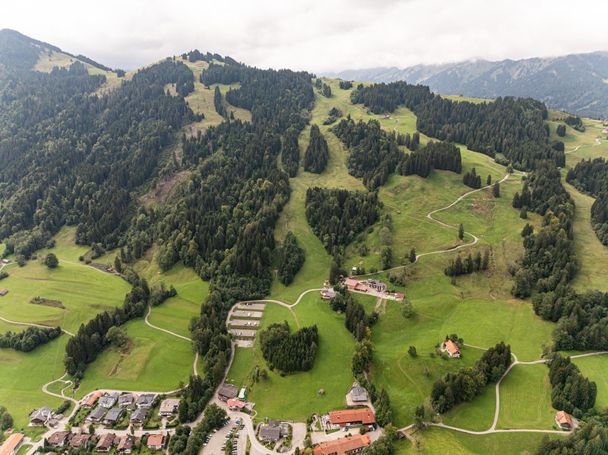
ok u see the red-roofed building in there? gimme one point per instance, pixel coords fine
(564, 420)
(156, 441)
(235, 405)
(351, 417)
(344, 446)
(12, 444)
(355, 285)
(451, 348)
(92, 399)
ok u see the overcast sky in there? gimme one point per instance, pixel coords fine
(318, 36)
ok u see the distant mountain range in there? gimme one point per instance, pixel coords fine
(576, 83)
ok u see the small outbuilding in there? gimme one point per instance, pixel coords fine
(564, 420)
(451, 348)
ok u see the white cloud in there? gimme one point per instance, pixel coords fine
(316, 36)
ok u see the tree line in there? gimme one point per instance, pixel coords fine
(571, 391)
(290, 259)
(289, 352)
(470, 264)
(512, 126)
(467, 383)
(29, 339)
(337, 216)
(591, 177)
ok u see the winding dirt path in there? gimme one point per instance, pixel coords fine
(33, 324)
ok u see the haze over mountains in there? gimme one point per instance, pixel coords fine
(577, 83)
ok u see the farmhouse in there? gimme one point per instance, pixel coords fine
(3, 292)
(90, 400)
(235, 405)
(113, 416)
(156, 441)
(12, 444)
(126, 444)
(358, 394)
(563, 420)
(59, 438)
(227, 391)
(139, 416)
(108, 400)
(105, 442)
(376, 285)
(344, 446)
(96, 415)
(126, 400)
(270, 433)
(355, 285)
(80, 440)
(145, 400)
(169, 407)
(40, 416)
(451, 348)
(328, 293)
(352, 417)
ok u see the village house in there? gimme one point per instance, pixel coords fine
(80, 440)
(113, 416)
(96, 415)
(126, 400)
(168, 407)
(12, 444)
(139, 416)
(344, 446)
(90, 400)
(105, 442)
(236, 405)
(269, 433)
(156, 441)
(358, 394)
(564, 420)
(227, 392)
(40, 416)
(451, 348)
(352, 417)
(376, 285)
(108, 400)
(355, 285)
(145, 400)
(328, 293)
(126, 444)
(59, 438)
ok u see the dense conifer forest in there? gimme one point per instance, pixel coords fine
(289, 352)
(337, 216)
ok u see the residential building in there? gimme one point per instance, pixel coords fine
(451, 348)
(90, 400)
(126, 400)
(227, 391)
(96, 415)
(376, 285)
(564, 420)
(40, 416)
(113, 416)
(352, 417)
(145, 400)
(344, 446)
(109, 400)
(139, 416)
(59, 438)
(12, 444)
(169, 407)
(156, 441)
(328, 293)
(80, 440)
(270, 433)
(106, 442)
(126, 444)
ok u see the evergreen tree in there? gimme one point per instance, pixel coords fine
(317, 152)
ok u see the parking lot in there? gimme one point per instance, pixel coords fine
(216, 445)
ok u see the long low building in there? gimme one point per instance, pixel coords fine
(241, 333)
(241, 314)
(251, 306)
(12, 444)
(344, 446)
(243, 323)
(352, 417)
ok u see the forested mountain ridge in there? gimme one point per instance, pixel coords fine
(575, 83)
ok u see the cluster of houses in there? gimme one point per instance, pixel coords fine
(369, 286)
(112, 407)
(244, 321)
(64, 441)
